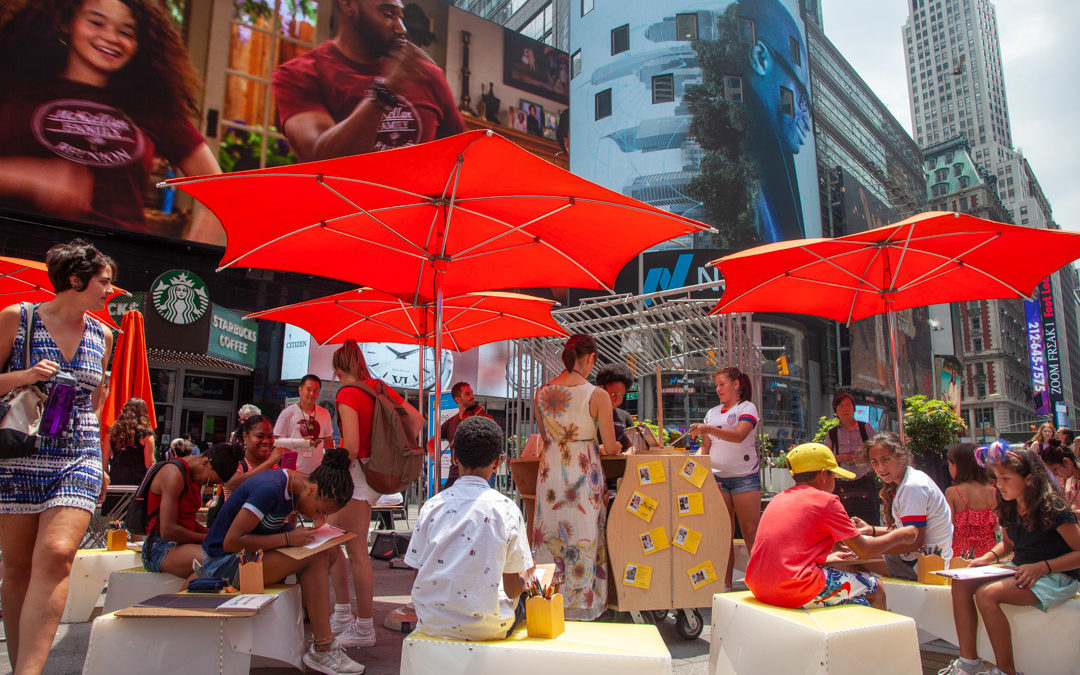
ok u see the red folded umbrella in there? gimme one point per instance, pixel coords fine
(130, 376)
(28, 281)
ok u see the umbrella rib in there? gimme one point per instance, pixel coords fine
(512, 228)
(263, 245)
(365, 240)
(645, 208)
(369, 214)
(953, 259)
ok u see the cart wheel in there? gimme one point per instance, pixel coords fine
(689, 624)
(659, 615)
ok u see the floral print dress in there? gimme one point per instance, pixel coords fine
(570, 507)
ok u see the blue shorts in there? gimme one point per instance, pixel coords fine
(844, 587)
(154, 551)
(735, 486)
(1052, 589)
(221, 567)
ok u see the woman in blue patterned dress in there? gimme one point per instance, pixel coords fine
(46, 499)
(571, 494)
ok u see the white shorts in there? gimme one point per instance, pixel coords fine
(361, 490)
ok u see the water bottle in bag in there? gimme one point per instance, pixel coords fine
(56, 417)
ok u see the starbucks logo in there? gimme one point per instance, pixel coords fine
(180, 297)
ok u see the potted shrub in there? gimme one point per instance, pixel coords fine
(931, 427)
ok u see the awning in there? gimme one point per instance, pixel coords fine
(170, 357)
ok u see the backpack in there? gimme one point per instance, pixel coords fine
(136, 519)
(396, 455)
(834, 434)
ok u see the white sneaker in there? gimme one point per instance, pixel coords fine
(356, 636)
(337, 626)
(333, 662)
(956, 667)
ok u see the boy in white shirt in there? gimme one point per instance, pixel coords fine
(470, 546)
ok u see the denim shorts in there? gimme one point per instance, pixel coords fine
(1052, 589)
(154, 551)
(221, 567)
(740, 484)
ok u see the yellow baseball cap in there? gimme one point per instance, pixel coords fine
(810, 457)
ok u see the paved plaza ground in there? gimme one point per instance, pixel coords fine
(689, 657)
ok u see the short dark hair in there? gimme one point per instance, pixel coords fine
(478, 442)
(615, 372)
(839, 398)
(1068, 434)
(458, 386)
(310, 377)
(805, 477)
(78, 257)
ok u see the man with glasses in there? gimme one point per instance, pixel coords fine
(307, 420)
(615, 379)
(778, 112)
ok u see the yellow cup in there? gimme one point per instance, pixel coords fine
(544, 617)
(116, 540)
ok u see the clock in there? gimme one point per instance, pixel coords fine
(399, 365)
(524, 374)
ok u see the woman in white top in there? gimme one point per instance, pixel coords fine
(728, 440)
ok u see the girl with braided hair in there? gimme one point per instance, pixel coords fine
(260, 516)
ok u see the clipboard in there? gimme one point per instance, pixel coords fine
(302, 552)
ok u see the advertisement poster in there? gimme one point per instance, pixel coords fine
(645, 131)
(1037, 358)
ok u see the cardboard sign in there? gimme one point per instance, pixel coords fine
(702, 574)
(654, 540)
(637, 575)
(690, 504)
(651, 473)
(687, 539)
(694, 472)
(641, 506)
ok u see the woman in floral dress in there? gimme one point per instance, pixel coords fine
(571, 496)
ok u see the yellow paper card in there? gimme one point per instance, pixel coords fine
(690, 504)
(694, 472)
(654, 540)
(636, 575)
(687, 539)
(651, 473)
(702, 574)
(641, 506)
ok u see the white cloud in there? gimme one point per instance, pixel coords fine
(1039, 53)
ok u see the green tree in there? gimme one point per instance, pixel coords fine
(824, 426)
(727, 182)
(931, 425)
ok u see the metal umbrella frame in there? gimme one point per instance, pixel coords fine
(935, 257)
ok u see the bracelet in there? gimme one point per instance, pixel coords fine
(383, 97)
(996, 558)
(873, 530)
(287, 538)
(1048, 570)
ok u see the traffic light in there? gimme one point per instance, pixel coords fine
(781, 365)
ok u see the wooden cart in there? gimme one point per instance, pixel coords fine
(668, 534)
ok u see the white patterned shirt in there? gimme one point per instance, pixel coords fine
(465, 539)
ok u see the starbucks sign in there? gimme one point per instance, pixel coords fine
(180, 297)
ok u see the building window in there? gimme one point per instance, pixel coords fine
(586, 6)
(796, 51)
(976, 344)
(620, 39)
(686, 27)
(976, 323)
(603, 104)
(964, 181)
(540, 26)
(787, 102)
(747, 33)
(575, 64)
(733, 88)
(663, 88)
(940, 175)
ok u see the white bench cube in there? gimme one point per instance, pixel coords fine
(89, 571)
(133, 585)
(750, 637)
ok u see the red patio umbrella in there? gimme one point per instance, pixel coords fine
(935, 257)
(472, 212)
(130, 373)
(28, 281)
(469, 320)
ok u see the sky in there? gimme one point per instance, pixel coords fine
(1040, 51)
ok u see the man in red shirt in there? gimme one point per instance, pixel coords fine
(797, 535)
(366, 90)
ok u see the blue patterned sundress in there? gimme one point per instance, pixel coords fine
(66, 469)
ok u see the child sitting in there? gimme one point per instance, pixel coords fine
(1041, 532)
(257, 517)
(1061, 461)
(797, 532)
(971, 498)
(173, 537)
(470, 546)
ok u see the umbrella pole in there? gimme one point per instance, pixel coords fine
(896, 372)
(438, 379)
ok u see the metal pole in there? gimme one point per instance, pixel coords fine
(438, 377)
(896, 373)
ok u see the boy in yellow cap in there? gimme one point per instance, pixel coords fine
(797, 535)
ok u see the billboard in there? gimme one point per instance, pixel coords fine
(871, 364)
(702, 110)
(1037, 358)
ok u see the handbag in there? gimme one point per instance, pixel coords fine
(21, 408)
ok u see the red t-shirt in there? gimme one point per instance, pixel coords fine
(81, 123)
(364, 405)
(327, 80)
(796, 533)
(189, 504)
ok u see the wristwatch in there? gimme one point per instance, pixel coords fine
(383, 97)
